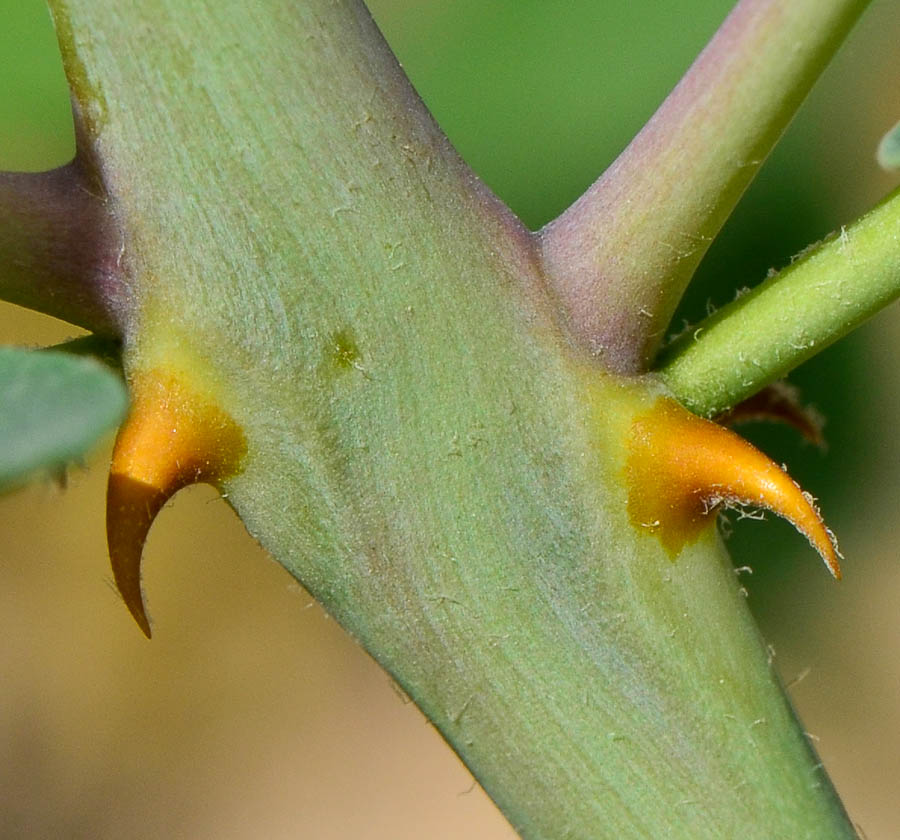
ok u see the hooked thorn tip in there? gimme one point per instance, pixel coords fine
(681, 467)
(173, 437)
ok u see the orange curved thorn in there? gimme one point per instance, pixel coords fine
(681, 467)
(172, 438)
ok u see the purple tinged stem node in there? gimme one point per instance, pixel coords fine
(61, 248)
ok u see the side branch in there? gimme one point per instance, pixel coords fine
(60, 248)
(622, 255)
(790, 317)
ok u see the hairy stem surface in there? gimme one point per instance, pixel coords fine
(423, 449)
(828, 291)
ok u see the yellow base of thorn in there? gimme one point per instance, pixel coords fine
(680, 468)
(173, 437)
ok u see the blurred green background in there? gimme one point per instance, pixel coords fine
(250, 714)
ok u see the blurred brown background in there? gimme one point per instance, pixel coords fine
(250, 714)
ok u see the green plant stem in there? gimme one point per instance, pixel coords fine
(621, 257)
(423, 452)
(761, 336)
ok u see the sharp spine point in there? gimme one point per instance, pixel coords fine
(173, 437)
(682, 467)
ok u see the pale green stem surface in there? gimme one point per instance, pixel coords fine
(424, 452)
(621, 256)
(761, 336)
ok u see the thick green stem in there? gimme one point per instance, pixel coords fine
(423, 452)
(623, 254)
(761, 336)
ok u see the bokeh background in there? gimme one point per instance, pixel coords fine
(251, 714)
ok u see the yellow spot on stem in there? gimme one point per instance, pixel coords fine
(681, 468)
(173, 437)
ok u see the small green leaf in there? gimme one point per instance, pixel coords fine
(53, 408)
(889, 149)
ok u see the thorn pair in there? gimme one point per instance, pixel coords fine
(680, 468)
